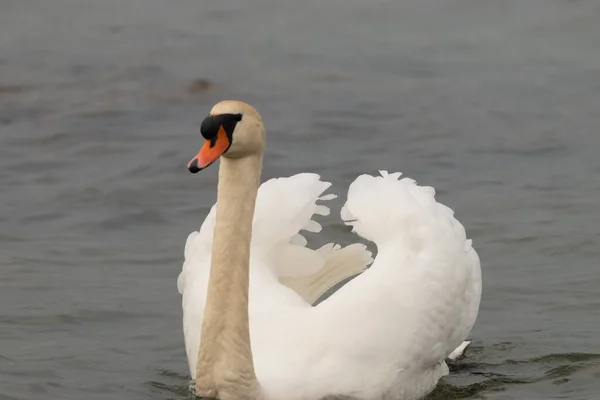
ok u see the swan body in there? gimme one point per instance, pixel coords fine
(383, 335)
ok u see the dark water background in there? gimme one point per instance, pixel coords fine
(494, 103)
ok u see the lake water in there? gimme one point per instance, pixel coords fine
(494, 103)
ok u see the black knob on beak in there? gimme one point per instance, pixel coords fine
(209, 127)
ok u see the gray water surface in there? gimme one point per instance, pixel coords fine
(494, 103)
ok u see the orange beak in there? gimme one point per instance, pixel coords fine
(209, 153)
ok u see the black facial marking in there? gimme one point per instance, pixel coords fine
(210, 126)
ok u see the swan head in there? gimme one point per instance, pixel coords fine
(232, 129)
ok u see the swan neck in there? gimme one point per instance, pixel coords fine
(225, 366)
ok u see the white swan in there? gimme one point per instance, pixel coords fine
(248, 280)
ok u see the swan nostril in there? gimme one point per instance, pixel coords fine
(193, 166)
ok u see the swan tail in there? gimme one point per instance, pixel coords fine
(459, 352)
(339, 264)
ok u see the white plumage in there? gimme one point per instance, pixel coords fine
(385, 334)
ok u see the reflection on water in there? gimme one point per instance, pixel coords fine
(493, 103)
